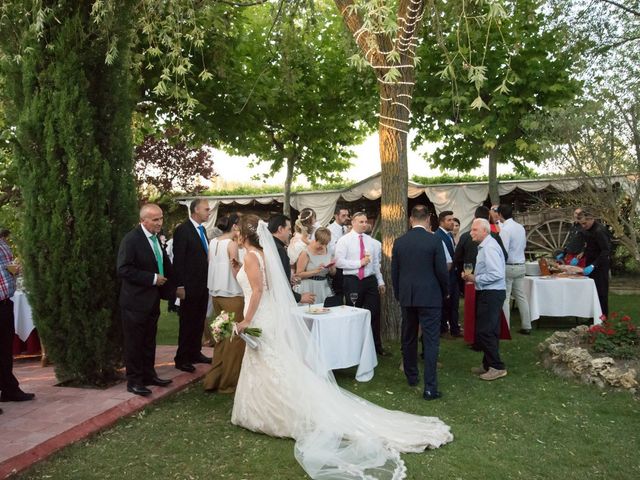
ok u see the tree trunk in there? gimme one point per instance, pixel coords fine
(494, 193)
(393, 211)
(395, 183)
(395, 107)
(286, 201)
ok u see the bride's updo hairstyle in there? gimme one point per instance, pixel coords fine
(249, 230)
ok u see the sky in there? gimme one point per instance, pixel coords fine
(233, 169)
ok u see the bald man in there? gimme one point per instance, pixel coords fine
(144, 268)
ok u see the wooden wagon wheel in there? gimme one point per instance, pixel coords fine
(547, 238)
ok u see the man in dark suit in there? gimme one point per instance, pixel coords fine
(449, 321)
(280, 228)
(420, 281)
(191, 264)
(144, 268)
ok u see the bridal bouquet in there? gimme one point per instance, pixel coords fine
(223, 326)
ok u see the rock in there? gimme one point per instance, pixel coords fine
(598, 364)
(628, 379)
(581, 330)
(556, 348)
(578, 359)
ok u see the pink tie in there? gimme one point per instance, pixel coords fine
(361, 269)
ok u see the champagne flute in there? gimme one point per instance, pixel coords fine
(468, 268)
(353, 296)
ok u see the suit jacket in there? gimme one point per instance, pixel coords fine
(136, 268)
(419, 269)
(190, 262)
(447, 241)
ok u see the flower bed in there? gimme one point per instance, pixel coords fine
(606, 355)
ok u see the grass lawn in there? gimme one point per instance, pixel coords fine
(529, 425)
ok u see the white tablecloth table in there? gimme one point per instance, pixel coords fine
(23, 319)
(562, 297)
(343, 338)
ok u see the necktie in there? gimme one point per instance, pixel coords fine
(361, 269)
(203, 239)
(158, 253)
(453, 242)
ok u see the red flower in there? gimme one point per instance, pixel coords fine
(614, 315)
(603, 317)
(626, 318)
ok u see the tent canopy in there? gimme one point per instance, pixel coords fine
(461, 198)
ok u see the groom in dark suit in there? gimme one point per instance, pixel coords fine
(451, 296)
(191, 264)
(144, 268)
(419, 274)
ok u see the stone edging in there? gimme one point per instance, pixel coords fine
(563, 354)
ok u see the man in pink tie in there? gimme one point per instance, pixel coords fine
(357, 255)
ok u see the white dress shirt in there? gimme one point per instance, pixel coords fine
(514, 239)
(337, 232)
(347, 255)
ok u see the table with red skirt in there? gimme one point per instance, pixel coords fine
(470, 316)
(26, 340)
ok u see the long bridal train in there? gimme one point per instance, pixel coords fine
(284, 390)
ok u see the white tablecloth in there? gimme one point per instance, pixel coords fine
(23, 319)
(562, 297)
(344, 338)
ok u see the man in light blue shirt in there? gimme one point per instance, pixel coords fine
(489, 278)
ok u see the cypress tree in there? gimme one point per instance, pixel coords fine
(72, 116)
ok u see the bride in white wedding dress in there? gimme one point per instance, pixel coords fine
(282, 393)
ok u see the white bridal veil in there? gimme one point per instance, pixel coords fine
(338, 435)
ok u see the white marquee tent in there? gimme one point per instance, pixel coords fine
(461, 198)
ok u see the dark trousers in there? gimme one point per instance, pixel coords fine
(488, 306)
(192, 313)
(600, 277)
(368, 298)
(8, 382)
(140, 330)
(429, 320)
(337, 284)
(449, 321)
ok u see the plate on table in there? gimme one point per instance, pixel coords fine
(318, 310)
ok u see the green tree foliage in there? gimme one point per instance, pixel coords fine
(287, 95)
(71, 112)
(481, 77)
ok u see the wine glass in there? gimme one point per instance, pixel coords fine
(353, 296)
(468, 268)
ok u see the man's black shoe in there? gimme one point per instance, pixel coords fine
(525, 331)
(202, 359)
(160, 382)
(186, 367)
(429, 395)
(17, 396)
(413, 383)
(138, 390)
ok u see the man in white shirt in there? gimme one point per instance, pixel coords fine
(357, 254)
(514, 239)
(338, 229)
